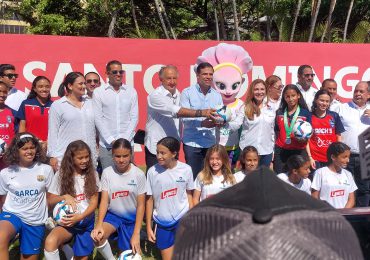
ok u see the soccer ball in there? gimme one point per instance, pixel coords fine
(223, 114)
(2, 146)
(60, 211)
(128, 255)
(302, 130)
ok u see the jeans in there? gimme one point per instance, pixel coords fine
(281, 156)
(363, 191)
(265, 160)
(150, 159)
(194, 156)
(105, 157)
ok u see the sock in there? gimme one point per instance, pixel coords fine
(106, 251)
(52, 255)
(68, 251)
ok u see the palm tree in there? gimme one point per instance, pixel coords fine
(161, 18)
(236, 21)
(347, 20)
(166, 19)
(299, 4)
(328, 22)
(315, 11)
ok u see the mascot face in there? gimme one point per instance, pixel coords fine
(227, 81)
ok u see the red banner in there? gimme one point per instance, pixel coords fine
(55, 56)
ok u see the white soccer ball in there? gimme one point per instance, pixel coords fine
(2, 146)
(128, 255)
(61, 211)
(302, 130)
(223, 114)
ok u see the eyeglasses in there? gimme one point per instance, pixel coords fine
(89, 81)
(115, 72)
(309, 75)
(10, 75)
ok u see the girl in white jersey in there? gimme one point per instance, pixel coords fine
(169, 187)
(215, 176)
(298, 170)
(333, 183)
(24, 184)
(76, 183)
(249, 160)
(122, 204)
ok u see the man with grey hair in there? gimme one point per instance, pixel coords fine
(355, 116)
(164, 111)
(304, 84)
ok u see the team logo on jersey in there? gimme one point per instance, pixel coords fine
(337, 193)
(168, 193)
(9, 119)
(120, 194)
(332, 123)
(132, 183)
(40, 178)
(180, 179)
(80, 197)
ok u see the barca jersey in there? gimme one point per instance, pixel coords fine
(7, 130)
(304, 115)
(325, 131)
(36, 116)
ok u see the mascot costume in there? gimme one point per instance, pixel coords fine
(230, 62)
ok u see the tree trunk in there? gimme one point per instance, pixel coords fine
(315, 11)
(166, 19)
(299, 5)
(347, 20)
(328, 22)
(161, 18)
(216, 20)
(135, 20)
(222, 22)
(112, 25)
(281, 29)
(236, 21)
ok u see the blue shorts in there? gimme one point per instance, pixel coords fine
(165, 236)
(83, 244)
(30, 237)
(124, 230)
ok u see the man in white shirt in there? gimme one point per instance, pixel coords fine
(9, 77)
(164, 111)
(304, 84)
(355, 116)
(92, 82)
(331, 86)
(116, 111)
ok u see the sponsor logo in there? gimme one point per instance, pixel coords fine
(332, 123)
(120, 194)
(40, 177)
(12, 177)
(180, 180)
(132, 183)
(323, 131)
(24, 193)
(322, 142)
(80, 197)
(337, 193)
(4, 125)
(169, 193)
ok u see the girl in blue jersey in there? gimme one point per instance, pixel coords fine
(122, 204)
(24, 184)
(76, 183)
(169, 187)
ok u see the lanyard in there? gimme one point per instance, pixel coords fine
(289, 128)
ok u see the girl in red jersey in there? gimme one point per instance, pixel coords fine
(292, 108)
(327, 128)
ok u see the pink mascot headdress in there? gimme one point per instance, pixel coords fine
(230, 62)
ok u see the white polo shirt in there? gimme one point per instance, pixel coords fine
(354, 123)
(168, 188)
(123, 189)
(116, 113)
(25, 190)
(334, 187)
(162, 118)
(260, 131)
(308, 95)
(208, 190)
(303, 185)
(15, 98)
(68, 123)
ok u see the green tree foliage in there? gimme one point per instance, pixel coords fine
(194, 19)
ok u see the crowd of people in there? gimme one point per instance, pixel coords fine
(53, 150)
